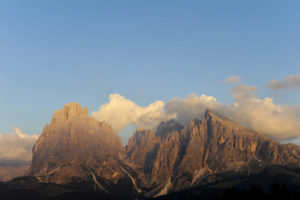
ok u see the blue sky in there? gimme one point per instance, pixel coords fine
(54, 52)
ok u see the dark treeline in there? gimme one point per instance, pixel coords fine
(30, 189)
(277, 191)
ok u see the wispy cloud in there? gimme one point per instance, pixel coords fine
(289, 82)
(233, 79)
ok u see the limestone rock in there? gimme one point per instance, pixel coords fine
(184, 157)
(74, 147)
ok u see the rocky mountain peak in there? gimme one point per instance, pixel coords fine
(74, 142)
(215, 120)
(167, 127)
(175, 158)
(212, 115)
(71, 111)
(75, 146)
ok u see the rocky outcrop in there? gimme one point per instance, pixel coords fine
(75, 147)
(176, 158)
(155, 154)
(217, 144)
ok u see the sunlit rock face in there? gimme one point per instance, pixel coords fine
(217, 144)
(175, 158)
(75, 147)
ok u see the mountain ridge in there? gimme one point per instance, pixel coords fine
(200, 150)
(75, 148)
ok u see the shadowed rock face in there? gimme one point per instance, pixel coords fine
(213, 145)
(74, 146)
(155, 155)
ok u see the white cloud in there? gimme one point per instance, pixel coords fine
(191, 107)
(281, 122)
(120, 112)
(16, 145)
(290, 82)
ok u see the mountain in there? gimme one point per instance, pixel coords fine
(175, 158)
(156, 155)
(77, 157)
(75, 148)
(10, 169)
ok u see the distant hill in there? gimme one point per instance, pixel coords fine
(10, 169)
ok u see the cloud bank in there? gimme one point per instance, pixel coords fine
(191, 107)
(120, 112)
(16, 145)
(281, 122)
(290, 82)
